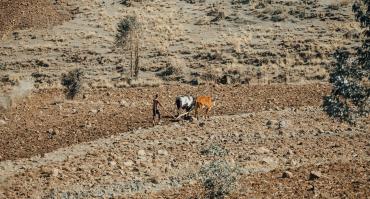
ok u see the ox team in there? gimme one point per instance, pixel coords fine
(187, 103)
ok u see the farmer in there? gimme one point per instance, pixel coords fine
(156, 112)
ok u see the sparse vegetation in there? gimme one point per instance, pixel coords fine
(126, 2)
(241, 1)
(267, 136)
(72, 83)
(215, 150)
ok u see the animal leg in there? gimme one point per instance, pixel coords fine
(207, 111)
(196, 113)
(178, 112)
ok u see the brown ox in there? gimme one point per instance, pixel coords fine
(203, 102)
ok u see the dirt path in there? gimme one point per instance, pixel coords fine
(45, 121)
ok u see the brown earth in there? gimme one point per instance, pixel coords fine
(45, 121)
(25, 14)
(103, 145)
(164, 161)
(341, 180)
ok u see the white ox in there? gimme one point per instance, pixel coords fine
(186, 103)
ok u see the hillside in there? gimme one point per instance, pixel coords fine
(267, 41)
(265, 63)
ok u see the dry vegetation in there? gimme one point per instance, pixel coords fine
(266, 61)
(294, 39)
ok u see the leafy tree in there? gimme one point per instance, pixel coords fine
(350, 78)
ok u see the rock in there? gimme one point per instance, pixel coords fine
(195, 82)
(287, 174)
(55, 172)
(282, 124)
(269, 161)
(128, 163)
(292, 162)
(153, 180)
(42, 63)
(2, 122)
(270, 123)
(226, 79)
(135, 169)
(259, 135)
(141, 153)
(314, 175)
(123, 103)
(94, 111)
(263, 150)
(50, 172)
(162, 152)
(281, 133)
(112, 163)
(289, 152)
(311, 188)
(50, 133)
(202, 124)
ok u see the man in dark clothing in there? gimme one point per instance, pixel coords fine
(156, 111)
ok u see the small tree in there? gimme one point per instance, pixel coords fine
(350, 78)
(72, 82)
(128, 36)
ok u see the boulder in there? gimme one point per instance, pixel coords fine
(287, 174)
(162, 152)
(141, 153)
(2, 122)
(314, 175)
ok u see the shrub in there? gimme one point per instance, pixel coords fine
(215, 150)
(218, 179)
(241, 1)
(127, 3)
(72, 82)
(171, 70)
(334, 6)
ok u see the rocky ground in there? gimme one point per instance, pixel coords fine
(25, 14)
(266, 139)
(320, 158)
(55, 122)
